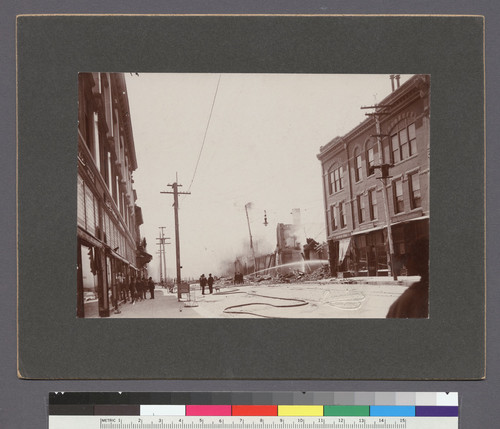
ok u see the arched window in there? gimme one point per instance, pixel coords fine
(403, 142)
(358, 169)
(370, 157)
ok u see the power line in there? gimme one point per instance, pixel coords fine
(205, 136)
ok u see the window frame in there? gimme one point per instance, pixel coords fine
(370, 162)
(413, 191)
(358, 166)
(335, 180)
(333, 218)
(342, 215)
(360, 203)
(398, 199)
(372, 206)
(406, 147)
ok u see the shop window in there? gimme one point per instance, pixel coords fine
(361, 208)
(89, 280)
(397, 189)
(372, 203)
(414, 184)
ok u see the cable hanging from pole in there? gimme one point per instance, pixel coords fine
(205, 135)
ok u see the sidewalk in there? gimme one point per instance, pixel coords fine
(165, 305)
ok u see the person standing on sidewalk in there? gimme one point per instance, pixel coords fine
(210, 282)
(203, 283)
(144, 285)
(138, 288)
(132, 290)
(151, 286)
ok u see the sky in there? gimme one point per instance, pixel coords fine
(236, 140)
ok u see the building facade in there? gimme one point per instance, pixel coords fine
(357, 197)
(110, 251)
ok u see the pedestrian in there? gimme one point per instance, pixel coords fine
(210, 282)
(132, 290)
(138, 288)
(151, 286)
(203, 283)
(121, 284)
(125, 288)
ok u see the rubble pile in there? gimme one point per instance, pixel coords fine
(291, 276)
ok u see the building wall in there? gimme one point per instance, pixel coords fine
(404, 129)
(107, 231)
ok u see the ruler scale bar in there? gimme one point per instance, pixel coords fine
(167, 422)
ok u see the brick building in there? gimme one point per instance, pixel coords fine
(353, 190)
(110, 249)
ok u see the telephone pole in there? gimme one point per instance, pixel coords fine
(161, 242)
(175, 191)
(385, 175)
(250, 233)
(161, 274)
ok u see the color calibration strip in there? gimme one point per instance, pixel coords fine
(282, 410)
(280, 404)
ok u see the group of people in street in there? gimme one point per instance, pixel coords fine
(133, 291)
(238, 278)
(204, 281)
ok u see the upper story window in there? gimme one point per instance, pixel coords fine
(336, 180)
(370, 160)
(96, 147)
(397, 190)
(414, 187)
(361, 208)
(342, 216)
(403, 143)
(358, 170)
(372, 204)
(333, 218)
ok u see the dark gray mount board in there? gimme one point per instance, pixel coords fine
(54, 344)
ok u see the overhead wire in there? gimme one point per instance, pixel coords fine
(205, 135)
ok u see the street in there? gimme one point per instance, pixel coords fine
(349, 298)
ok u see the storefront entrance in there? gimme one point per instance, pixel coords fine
(92, 300)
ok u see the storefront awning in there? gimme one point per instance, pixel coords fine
(377, 228)
(89, 238)
(343, 248)
(119, 257)
(143, 257)
(411, 220)
(366, 231)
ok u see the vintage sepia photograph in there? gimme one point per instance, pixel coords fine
(205, 195)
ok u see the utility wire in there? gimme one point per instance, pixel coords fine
(205, 136)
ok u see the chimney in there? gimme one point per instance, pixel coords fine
(296, 217)
(397, 79)
(392, 81)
